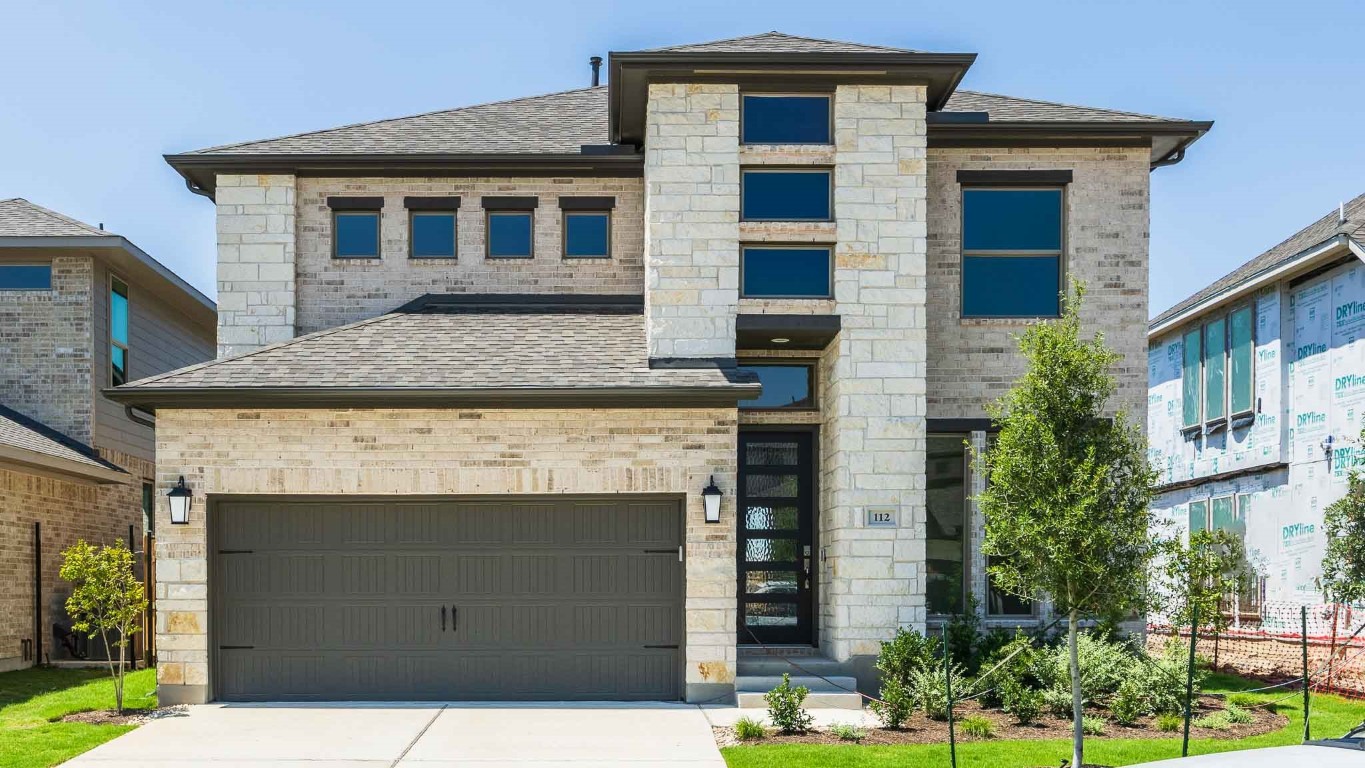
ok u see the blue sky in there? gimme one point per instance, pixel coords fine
(95, 93)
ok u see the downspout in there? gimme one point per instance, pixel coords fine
(196, 189)
(136, 419)
(1171, 158)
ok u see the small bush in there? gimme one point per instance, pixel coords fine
(1104, 667)
(1057, 701)
(747, 728)
(897, 703)
(1010, 667)
(1218, 721)
(906, 654)
(1024, 703)
(1169, 722)
(848, 732)
(1129, 705)
(930, 687)
(784, 707)
(1093, 725)
(978, 727)
(1238, 716)
(1241, 700)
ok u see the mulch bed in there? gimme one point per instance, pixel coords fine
(109, 717)
(919, 729)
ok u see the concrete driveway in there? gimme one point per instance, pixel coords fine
(556, 735)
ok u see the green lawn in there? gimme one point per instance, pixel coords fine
(1330, 715)
(30, 699)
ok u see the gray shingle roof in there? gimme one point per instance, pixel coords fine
(463, 349)
(1004, 109)
(1318, 232)
(20, 218)
(776, 42)
(19, 431)
(555, 123)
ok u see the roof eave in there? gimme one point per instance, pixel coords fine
(1163, 137)
(153, 398)
(41, 463)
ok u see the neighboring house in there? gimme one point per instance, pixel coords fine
(81, 309)
(481, 369)
(1257, 399)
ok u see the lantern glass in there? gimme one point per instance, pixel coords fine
(178, 500)
(710, 498)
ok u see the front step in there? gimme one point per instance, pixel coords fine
(829, 692)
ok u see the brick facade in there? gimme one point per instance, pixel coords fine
(446, 452)
(256, 261)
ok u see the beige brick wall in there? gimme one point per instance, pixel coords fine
(974, 361)
(256, 282)
(45, 343)
(440, 452)
(334, 292)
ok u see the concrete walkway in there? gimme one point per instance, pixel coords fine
(418, 735)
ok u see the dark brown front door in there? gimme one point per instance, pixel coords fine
(776, 558)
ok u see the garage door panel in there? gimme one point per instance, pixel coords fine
(652, 525)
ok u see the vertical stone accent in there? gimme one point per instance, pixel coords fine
(692, 220)
(256, 300)
(873, 438)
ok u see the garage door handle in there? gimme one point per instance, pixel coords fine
(454, 619)
(443, 618)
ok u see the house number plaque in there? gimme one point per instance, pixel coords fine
(880, 517)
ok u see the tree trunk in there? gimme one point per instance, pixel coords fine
(113, 671)
(118, 681)
(1077, 705)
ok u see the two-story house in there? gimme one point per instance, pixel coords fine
(81, 309)
(1256, 404)
(593, 395)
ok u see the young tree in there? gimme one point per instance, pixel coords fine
(1068, 488)
(106, 598)
(1343, 567)
(1200, 574)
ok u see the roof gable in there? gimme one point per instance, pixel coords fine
(21, 218)
(777, 42)
(34, 444)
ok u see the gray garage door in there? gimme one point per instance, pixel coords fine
(508, 599)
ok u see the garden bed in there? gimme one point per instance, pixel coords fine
(920, 729)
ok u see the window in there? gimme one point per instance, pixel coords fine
(785, 385)
(946, 545)
(785, 271)
(118, 331)
(509, 234)
(433, 234)
(1011, 252)
(1241, 379)
(587, 234)
(1001, 603)
(787, 195)
(785, 119)
(1189, 378)
(1221, 515)
(26, 277)
(355, 234)
(1199, 516)
(148, 508)
(1215, 369)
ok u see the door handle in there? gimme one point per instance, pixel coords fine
(443, 618)
(454, 619)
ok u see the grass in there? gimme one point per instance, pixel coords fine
(31, 699)
(1330, 716)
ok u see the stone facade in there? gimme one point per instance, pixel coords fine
(446, 452)
(692, 220)
(333, 292)
(256, 261)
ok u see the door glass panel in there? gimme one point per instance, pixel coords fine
(770, 614)
(770, 550)
(771, 454)
(770, 582)
(781, 486)
(763, 518)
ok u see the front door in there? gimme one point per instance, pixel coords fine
(776, 502)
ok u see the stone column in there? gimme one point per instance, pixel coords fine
(256, 299)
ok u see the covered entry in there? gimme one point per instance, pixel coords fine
(394, 599)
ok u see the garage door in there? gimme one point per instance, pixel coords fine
(448, 600)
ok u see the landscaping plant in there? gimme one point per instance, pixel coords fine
(1343, 566)
(977, 726)
(106, 598)
(747, 728)
(1093, 725)
(1200, 573)
(1169, 722)
(784, 707)
(1068, 491)
(848, 732)
(930, 687)
(901, 656)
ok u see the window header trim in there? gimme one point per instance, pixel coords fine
(355, 203)
(1014, 178)
(492, 203)
(587, 203)
(432, 203)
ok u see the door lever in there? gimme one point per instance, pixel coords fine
(454, 619)
(443, 618)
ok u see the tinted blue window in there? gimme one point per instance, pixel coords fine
(26, 277)
(801, 272)
(785, 195)
(786, 120)
(1011, 219)
(585, 234)
(509, 234)
(784, 386)
(1010, 286)
(433, 234)
(357, 235)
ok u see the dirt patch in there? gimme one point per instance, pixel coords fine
(919, 729)
(109, 717)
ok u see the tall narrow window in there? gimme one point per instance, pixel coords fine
(148, 508)
(1199, 516)
(1190, 378)
(118, 331)
(1215, 370)
(1011, 252)
(946, 544)
(1223, 516)
(1241, 382)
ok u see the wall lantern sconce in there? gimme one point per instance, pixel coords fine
(179, 500)
(710, 499)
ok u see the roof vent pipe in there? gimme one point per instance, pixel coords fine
(596, 64)
(1341, 213)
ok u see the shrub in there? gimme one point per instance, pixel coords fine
(1022, 702)
(903, 655)
(1169, 722)
(1057, 701)
(1010, 667)
(930, 687)
(1218, 721)
(978, 727)
(1104, 667)
(1093, 725)
(747, 728)
(1162, 679)
(1129, 704)
(848, 732)
(1238, 716)
(897, 703)
(1241, 700)
(784, 707)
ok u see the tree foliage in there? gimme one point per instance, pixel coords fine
(1201, 574)
(106, 599)
(1343, 567)
(1068, 487)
